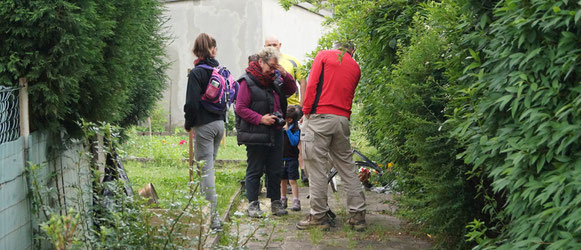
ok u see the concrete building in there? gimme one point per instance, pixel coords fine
(239, 27)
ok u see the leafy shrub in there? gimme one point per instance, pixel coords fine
(522, 123)
(158, 119)
(95, 60)
(411, 60)
(115, 220)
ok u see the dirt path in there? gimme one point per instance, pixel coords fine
(384, 231)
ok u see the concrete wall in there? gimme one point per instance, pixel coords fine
(64, 177)
(236, 25)
(239, 27)
(298, 29)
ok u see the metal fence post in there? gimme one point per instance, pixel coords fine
(23, 105)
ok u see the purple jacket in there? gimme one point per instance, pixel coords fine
(244, 99)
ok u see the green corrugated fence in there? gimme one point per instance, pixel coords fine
(63, 170)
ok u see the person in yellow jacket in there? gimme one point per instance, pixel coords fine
(293, 66)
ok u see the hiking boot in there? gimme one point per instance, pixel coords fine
(254, 210)
(277, 209)
(296, 205)
(284, 202)
(216, 222)
(357, 220)
(312, 222)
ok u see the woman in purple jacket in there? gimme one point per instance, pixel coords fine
(260, 112)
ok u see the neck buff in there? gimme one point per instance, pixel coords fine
(255, 70)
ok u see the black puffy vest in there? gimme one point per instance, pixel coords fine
(262, 103)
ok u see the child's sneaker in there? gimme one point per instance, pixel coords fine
(296, 205)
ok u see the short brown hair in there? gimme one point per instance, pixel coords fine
(204, 43)
(253, 58)
(294, 113)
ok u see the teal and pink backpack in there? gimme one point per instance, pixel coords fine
(221, 91)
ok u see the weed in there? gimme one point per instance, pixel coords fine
(316, 235)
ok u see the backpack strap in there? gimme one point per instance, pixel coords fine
(295, 66)
(204, 66)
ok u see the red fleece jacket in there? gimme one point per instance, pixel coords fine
(340, 75)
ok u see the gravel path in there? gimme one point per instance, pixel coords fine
(384, 230)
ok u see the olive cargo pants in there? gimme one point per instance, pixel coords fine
(325, 135)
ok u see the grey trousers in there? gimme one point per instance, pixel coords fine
(325, 135)
(206, 144)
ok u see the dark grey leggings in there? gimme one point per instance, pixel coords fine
(206, 144)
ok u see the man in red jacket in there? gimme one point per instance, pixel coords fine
(327, 108)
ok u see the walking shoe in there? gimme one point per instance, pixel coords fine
(284, 202)
(277, 209)
(216, 222)
(312, 222)
(254, 210)
(357, 220)
(296, 205)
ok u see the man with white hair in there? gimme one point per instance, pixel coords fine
(293, 66)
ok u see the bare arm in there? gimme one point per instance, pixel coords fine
(303, 88)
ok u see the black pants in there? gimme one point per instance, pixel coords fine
(264, 159)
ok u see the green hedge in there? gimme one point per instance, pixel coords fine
(95, 60)
(477, 104)
(521, 122)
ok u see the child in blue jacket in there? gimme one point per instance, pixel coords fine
(290, 158)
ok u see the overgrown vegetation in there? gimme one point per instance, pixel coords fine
(117, 220)
(101, 61)
(173, 178)
(114, 218)
(521, 121)
(477, 105)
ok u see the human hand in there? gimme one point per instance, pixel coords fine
(267, 119)
(281, 69)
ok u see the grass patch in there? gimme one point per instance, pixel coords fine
(168, 148)
(226, 238)
(171, 182)
(170, 175)
(315, 235)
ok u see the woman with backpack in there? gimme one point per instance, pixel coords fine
(208, 123)
(260, 111)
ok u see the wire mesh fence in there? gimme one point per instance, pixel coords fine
(9, 114)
